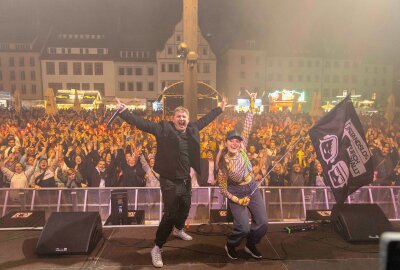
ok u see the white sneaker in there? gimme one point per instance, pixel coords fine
(181, 234)
(156, 257)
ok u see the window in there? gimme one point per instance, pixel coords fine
(327, 64)
(85, 86)
(176, 68)
(12, 75)
(98, 68)
(63, 68)
(11, 61)
(121, 86)
(99, 87)
(1, 87)
(77, 68)
(138, 71)
(22, 75)
(50, 68)
(151, 86)
(205, 51)
(55, 86)
(242, 60)
(23, 89)
(13, 87)
(206, 68)
(129, 71)
(139, 86)
(33, 75)
(178, 37)
(100, 51)
(336, 64)
(32, 61)
(300, 77)
(76, 86)
(335, 78)
(130, 86)
(162, 67)
(88, 67)
(33, 89)
(1, 75)
(170, 67)
(21, 61)
(150, 71)
(169, 50)
(242, 74)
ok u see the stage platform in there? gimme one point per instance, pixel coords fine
(129, 248)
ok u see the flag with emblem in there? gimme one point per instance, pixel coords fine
(339, 141)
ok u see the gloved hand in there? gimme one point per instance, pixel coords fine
(244, 201)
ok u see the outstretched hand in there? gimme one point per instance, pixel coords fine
(223, 103)
(120, 106)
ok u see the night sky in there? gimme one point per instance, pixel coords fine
(361, 28)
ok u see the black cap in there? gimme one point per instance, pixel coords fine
(233, 134)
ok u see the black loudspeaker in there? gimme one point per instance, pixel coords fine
(221, 215)
(70, 233)
(135, 217)
(359, 222)
(15, 219)
(119, 207)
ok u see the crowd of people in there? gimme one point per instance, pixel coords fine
(74, 150)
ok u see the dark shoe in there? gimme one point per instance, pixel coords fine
(252, 250)
(231, 252)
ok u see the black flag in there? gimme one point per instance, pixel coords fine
(339, 141)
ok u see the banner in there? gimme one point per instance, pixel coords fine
(339, 141)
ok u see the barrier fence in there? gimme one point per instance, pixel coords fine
(283, 204)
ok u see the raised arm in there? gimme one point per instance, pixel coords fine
(141, 123)
(209, 117)
(249, 121)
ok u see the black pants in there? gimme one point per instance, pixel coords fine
(176, 197)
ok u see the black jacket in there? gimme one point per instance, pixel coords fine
(167, 156)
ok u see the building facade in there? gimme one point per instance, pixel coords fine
(254, 70)
(20, 67)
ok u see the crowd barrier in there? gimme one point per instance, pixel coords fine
(283, 204)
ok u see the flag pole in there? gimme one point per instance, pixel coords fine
(287, 152)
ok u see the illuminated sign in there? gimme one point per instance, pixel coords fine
(287, 95)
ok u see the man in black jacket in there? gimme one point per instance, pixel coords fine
(178, 149)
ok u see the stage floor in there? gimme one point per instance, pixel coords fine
(129, 248)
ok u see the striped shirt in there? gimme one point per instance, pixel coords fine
(239, 167)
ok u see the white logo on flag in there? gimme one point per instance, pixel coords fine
(339, 174)
(329, 148)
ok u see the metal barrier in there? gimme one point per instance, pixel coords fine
(284, 204)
